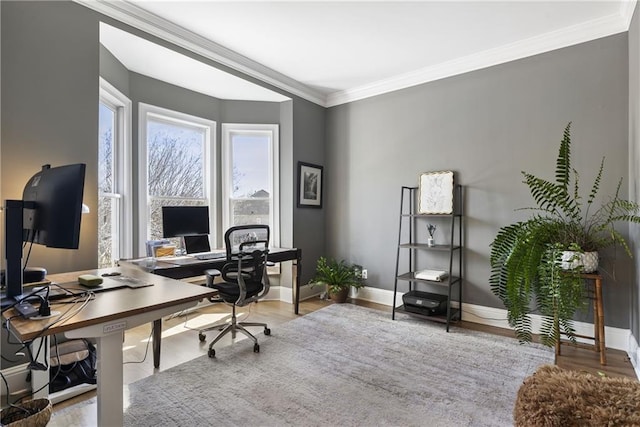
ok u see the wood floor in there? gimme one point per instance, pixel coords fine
(180, 341)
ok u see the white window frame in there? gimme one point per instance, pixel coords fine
(146, 111)
(123, 173)
(271, 130)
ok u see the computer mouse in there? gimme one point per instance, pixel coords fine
(113, 273)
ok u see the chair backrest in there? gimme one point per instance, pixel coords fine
(238, 234)
(247, 249)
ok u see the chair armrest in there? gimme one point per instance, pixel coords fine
(210, 275)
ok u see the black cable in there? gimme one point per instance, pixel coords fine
(26, 260)
(146, 349)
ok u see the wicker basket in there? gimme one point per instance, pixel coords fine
(38, 413)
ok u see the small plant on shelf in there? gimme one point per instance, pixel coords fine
(431, 229)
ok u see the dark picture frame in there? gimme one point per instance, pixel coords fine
(309, 185)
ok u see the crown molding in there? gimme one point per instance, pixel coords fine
(627, 9)
(568, 36)
(137, 17)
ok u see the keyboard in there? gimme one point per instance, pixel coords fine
(209, 255)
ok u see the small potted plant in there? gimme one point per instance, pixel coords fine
(431, 229)
(338, 276)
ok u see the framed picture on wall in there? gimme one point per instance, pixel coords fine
(309, 185)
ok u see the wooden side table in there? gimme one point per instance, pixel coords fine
(598, 318)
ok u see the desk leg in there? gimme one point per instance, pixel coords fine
(296, 286)
(600, 314)
(110, 379)
(157, 339)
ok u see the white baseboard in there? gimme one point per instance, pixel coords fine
(634, 354)
(616, 338)
(68, 393)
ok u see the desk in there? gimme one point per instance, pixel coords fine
(598, 318)
(105, 319)
(183, 269)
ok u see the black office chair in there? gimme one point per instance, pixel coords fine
(245, 279)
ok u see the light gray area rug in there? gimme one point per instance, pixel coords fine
(344, 365)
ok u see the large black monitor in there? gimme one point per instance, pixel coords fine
(180, 221)
(48, 214)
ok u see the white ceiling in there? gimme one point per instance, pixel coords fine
(150, 59)
(333, 52)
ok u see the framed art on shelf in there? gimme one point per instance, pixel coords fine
(309, 185)
(436, 193)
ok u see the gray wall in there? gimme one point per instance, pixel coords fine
(309, 147)
(488, 126)
(113, 71)
(49, 109)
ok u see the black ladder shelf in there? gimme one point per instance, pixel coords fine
(414, 242)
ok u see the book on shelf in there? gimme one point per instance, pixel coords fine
(434, 275)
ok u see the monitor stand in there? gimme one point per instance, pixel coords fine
(6, 301)
(29, 275)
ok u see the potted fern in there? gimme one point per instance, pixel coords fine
(338, 276)
(529, 262)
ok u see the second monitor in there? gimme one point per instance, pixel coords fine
(180, 221)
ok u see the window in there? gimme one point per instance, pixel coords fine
(176, 166)
(114, 205)
(250, 176)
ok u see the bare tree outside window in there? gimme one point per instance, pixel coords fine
(176, 170)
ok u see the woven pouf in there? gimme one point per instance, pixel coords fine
(32, 413)
(556, 397)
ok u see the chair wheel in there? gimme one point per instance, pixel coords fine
(212, 353)
(256, 348)
(267, 331)
(202, 337)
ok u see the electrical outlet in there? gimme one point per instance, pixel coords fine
(364, 273)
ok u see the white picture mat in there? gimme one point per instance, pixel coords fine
(436, 193)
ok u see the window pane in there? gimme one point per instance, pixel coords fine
(250, 162)
(175, 160)
(106, 124)
(108, 227)
(108, 231)
(250, 211)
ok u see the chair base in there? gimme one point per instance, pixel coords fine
(233, 327)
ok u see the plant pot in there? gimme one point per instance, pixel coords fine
(587, 261)
(340, 296)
